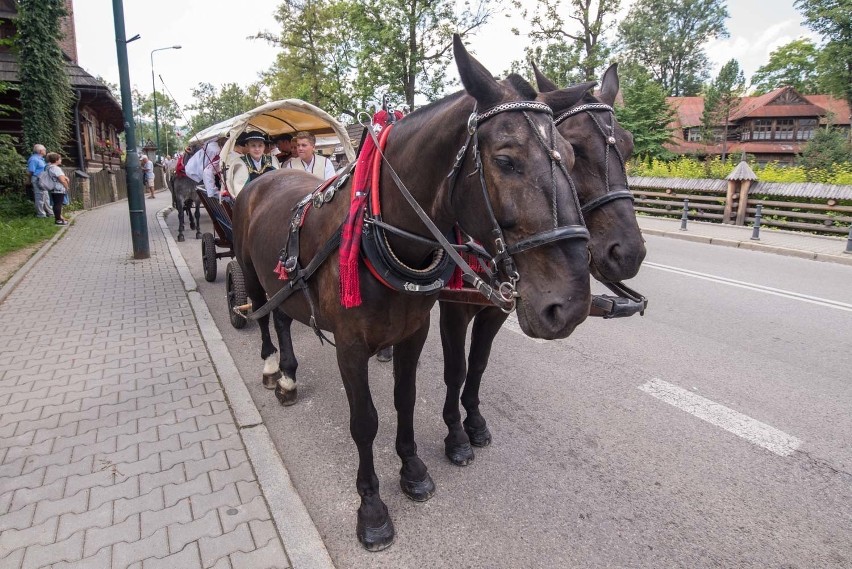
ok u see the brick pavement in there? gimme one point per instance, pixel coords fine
(117, 445)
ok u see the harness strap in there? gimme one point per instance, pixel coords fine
(557, 234)
(299, 281)
(624, 193)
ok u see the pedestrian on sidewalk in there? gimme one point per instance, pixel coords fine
(35, 166)
(148, 175)
(54, 179)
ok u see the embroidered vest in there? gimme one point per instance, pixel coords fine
(265, 166)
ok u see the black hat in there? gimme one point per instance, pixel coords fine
(282, 137)
(253, 135)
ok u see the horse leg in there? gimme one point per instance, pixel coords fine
(486, 325)
(255, 292)
(455, 319)
(180, 236)
(375, 528)
(285, 392)
(413, 476)
(188, 206)
(198, 219)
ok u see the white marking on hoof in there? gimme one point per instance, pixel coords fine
(286, 383)
(270, 365)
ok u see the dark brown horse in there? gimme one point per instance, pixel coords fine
(184, 197)
(617, 249)
(510, 194)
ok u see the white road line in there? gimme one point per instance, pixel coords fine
(751, 286)
(732, 421)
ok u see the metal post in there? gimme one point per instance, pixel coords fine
(755, 234)
(135, 197)
(849, 241)
(684, 216)
(154, 86)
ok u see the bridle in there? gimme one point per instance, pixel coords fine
(503, 258)
(612, 192)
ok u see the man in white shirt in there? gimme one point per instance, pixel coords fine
(307, 160)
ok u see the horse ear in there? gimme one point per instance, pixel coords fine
(545, 85)
(609, 85)
(564, 99)
(477, 81)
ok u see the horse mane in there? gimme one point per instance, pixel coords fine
(522, 86)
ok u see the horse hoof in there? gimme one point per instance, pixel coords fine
(287, 397)
(270, 381)
(460, 455)
(385, 355)
(418, 490)
(479, 436)
(198, 235)
(181, 238)
(375, 539)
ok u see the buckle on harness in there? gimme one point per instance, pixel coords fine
(290, 264)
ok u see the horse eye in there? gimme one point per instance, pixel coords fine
(504, 162)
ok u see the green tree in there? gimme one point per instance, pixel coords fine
(645, 114)
(214, 105)
(567, 46)
(405, 46)
(832, 19)
(722, 96)
(46, 95)
(667, 37)
(318, 53)
(828, 147)
(11, 163)
(795, 64)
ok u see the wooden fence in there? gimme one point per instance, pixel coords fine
(818, 208)
(104, 186)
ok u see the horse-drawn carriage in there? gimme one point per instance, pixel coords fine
(276, 118)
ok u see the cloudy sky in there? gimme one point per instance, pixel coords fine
(215, 49)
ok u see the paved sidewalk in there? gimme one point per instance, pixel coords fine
(790, 243)
(117, 444)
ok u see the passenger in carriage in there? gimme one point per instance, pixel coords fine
(283, 142)
(307, 160)
(253, 163)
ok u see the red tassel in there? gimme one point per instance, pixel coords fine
(281, 272)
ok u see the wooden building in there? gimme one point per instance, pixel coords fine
(772, 127)
(96, 115)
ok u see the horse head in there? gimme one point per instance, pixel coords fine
(513, 195)
(602, 148)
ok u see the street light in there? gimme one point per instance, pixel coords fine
(154, 85)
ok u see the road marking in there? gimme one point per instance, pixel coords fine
(755, 287)
(732, 421)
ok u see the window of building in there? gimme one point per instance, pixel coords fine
(762, 129)
(694, 134)
(784, 129)
(805, 129)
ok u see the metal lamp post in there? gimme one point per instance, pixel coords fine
(154, 85)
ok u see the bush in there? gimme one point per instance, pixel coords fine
(714, 168)
(12, 167)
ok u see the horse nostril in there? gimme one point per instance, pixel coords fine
(614, 252)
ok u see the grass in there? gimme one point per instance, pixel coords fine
(19, 227)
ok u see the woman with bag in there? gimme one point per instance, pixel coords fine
(55, 181)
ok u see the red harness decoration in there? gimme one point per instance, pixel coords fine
(180, 169)
(367, 173)
(456, 281)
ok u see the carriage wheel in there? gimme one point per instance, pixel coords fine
(208, 256)
(236, 290)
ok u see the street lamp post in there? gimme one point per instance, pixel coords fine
(154, 85)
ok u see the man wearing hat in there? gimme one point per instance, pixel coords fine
(254, 163)
(284, 144)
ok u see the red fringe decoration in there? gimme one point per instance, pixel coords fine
(350, 239)
(279, 270)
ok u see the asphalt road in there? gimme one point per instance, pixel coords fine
(713, 432)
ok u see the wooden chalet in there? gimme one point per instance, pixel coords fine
(96, 115)
(772, 127)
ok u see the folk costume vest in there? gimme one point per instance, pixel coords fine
(317, 168)
(265, 166)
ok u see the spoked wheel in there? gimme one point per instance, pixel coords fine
(208, 256)
(236, 290)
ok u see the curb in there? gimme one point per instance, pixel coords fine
(296, 529)
(752, 246)
(19, 275)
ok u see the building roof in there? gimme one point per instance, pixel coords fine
(688, 110)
